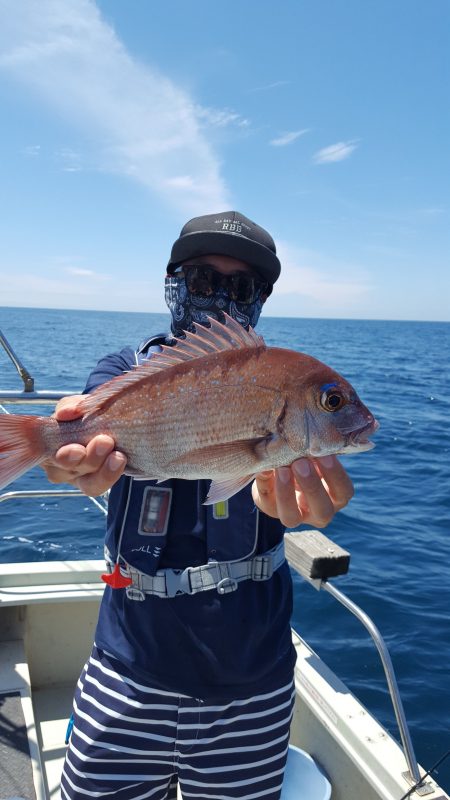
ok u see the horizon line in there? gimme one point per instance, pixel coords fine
(265, 316)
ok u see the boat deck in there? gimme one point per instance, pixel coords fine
(48, 614)
(52, 709)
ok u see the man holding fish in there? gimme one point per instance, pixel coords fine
(191, 675)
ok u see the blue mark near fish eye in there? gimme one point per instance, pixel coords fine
(328, 386)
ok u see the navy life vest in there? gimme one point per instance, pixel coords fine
(148, 522)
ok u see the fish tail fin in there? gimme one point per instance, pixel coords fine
(21, 445)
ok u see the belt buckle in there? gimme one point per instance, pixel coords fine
(178, 582)
(226, 585)
(134, 593)
(262, 568)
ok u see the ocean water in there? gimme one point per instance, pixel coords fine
(397, 527)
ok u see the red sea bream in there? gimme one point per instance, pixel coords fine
(220, 404)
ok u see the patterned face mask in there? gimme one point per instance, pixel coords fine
(188, 309)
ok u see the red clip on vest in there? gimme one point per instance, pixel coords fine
(116, 580)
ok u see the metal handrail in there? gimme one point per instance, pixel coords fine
(24, 493)
(28, 394)
(37, 397)
(386, 661)
(28, 381)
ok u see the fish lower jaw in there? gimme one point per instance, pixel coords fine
(356, 447)
(349, 448)
(358, 441)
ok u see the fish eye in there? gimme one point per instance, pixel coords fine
(332, 400)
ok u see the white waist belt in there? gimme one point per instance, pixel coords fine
(221, 575)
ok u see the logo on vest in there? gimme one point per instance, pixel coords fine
(148, 549)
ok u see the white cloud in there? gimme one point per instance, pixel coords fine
(65, 291)
(83, 273)
(142, 124)
(311, 284)
(273, 85)
(335, 152)
(69, 160)
(181, 182)
(32, 150)
(432, 211)
(220, 118)
(288, 138)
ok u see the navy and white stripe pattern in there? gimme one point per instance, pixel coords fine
(132, 742)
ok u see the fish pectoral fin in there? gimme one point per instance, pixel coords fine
(223, 490)
(229, 457)
(262, 449)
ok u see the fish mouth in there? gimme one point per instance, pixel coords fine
(353, 440)
(359, 440)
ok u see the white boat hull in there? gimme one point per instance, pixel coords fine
(48, 613)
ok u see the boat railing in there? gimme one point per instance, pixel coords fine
(42, 397)
(27, 379)
(52, 494)
(28, 393)
(315, 557)
(37, 398)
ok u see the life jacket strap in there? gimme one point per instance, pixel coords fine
(224, 576)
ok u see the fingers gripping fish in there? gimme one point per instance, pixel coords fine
(219, 404)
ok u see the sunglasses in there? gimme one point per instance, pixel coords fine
(203, 279)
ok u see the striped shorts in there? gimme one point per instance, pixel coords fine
(131, 742)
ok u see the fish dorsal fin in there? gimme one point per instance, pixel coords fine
(218, 338)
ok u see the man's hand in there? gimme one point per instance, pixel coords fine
(308, 492)
(94, 468)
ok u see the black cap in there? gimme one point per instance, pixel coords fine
(228, 233)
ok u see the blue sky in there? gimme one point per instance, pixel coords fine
(327, 122)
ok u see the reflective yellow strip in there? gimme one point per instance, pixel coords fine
(220, 510)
